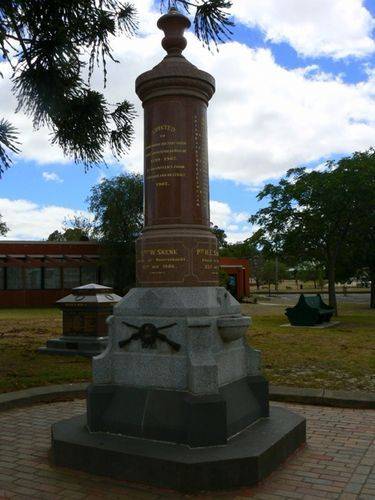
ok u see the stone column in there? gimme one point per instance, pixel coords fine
(177, 247)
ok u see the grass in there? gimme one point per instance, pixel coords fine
(22, 331)
(341, 357)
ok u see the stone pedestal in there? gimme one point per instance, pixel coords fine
(85, 312)
(177, 398)
(200, 391)
(189, 411)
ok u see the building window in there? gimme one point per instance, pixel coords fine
(33, 278)
(2, 278)
(88, 275)
(52, 278)
(14, 278)
(71, 277)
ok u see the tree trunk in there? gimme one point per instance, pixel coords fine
(372, 289)
(276, 273)
(331, 286)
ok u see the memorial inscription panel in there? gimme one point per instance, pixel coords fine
(192, 260)
(176, 163)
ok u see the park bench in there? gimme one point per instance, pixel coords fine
(309, 311)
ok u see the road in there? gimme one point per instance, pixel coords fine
(292, 298)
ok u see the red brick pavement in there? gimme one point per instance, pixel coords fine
(338, 461)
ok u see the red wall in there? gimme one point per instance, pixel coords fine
(241, 269)
(48, 248)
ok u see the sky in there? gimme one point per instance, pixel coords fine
(295, 87)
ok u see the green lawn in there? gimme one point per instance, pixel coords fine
(342, 357)
(22, 331)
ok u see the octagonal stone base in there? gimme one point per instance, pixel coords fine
(247, 458)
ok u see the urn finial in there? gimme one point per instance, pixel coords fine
(174, 24)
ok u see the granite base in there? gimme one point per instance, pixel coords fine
(177, 416)
(247, 458)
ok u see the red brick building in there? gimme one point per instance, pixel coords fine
(239, 273)
(37, 273)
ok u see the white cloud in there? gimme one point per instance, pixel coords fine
(30, 221)
(51, 177)
(35, 144)
(334, 28)
(223, 216)
(263, 119)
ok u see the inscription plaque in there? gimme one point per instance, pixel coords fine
(176, 247)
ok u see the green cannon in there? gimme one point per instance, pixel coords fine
(309, 311)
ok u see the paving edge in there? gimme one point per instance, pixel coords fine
(321, 397)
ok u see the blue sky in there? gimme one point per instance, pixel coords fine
(294, 87)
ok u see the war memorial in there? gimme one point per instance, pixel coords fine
(177, 398)
(85, 311)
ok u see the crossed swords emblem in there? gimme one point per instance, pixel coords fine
(148, 334)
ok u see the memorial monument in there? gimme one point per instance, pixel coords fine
(177, 398)
(85, 311)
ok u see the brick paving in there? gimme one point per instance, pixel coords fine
(338, 461)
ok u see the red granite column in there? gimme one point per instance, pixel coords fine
(177, 247)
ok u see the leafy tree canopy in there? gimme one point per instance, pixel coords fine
(313, 214)
(46, 42)
(242, 249)
(117, 206)
(220, 235)
(78, 228)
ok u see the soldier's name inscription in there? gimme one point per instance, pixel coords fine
(178, 262)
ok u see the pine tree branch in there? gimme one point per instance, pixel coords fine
(19, 36)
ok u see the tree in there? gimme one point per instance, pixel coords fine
(220, 235)
(56, 236)
(45, 43)
(78, 228)
(312, 215)
(310, 270)
(368, 256)
(241, 249)
(3, 227)
(117, 206)
(357, 256)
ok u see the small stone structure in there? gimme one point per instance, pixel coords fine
(85, 312)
